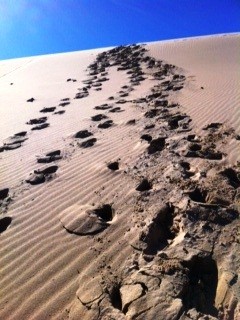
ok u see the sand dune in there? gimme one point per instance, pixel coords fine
(119, 182)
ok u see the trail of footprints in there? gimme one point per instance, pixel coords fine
(207, 202)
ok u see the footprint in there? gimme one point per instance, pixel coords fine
(144, 185)
(213, 125)
(12, 146)
(88, 143)
(88, 221)
(50, 157)
(149, 126)
(81, 95)
(152, 113)
(83, 134)
(121, 101)
(48, 170)
(4, 193)
(197, 151)
(14, 142)
(117, 109)
(60, 112)
(21, 134)
(30, 100)
(104, 106)
(99, 117)
(36, 179)
(192, 138)
(97, 84)
(37, 120)
(70, 79)
(103, 79)
(51, 109)
(39, 176)
(186, 167)
(41, 126)
(131, 122)
(173, 123)
(124, 94)
(156, 145)
(146, 137)
(105, 124)
(64, 104)
(113, 165)
(4, 223)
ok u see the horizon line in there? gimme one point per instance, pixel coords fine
(138, 43)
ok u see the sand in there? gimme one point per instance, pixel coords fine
(119, 182)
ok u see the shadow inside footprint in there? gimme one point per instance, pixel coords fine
(99, 117)
(156, 145)
(83, 134)
(117, 109)
(63, 104)
(144, 185)
(41, 126)
(37, 120)
(60, 112)
(88, 143)
(20, 134)
(214, 125)
(51, 109)
(146, 137)
(103, 107)
(39, 176)
(48, 170)
(30, 100)
(36, 179)
(113, 165)
(50, 157)
(105, 124)
(4, 193)
(88, 221)
(4, 223)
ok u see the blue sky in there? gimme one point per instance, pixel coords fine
(33, 27)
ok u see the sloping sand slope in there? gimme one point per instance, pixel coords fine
(119, 183)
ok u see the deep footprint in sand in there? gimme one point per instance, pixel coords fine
(14, 142)
(113, 165)
(41, 175)
(88, 143)
(156, 145)
(31, 100)
(87, 220)
(117, 109)
(51, 109)
(99, 117)
(5, 223)
(146, 137)
(83, 134)
(4, 194)
(37, 120)
(41, 126)
(144, 185)
(64, 104)
(104, 106)
(106, 124)
(50, 157)
(59, 112)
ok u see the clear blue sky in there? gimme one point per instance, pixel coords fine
(33, 27)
